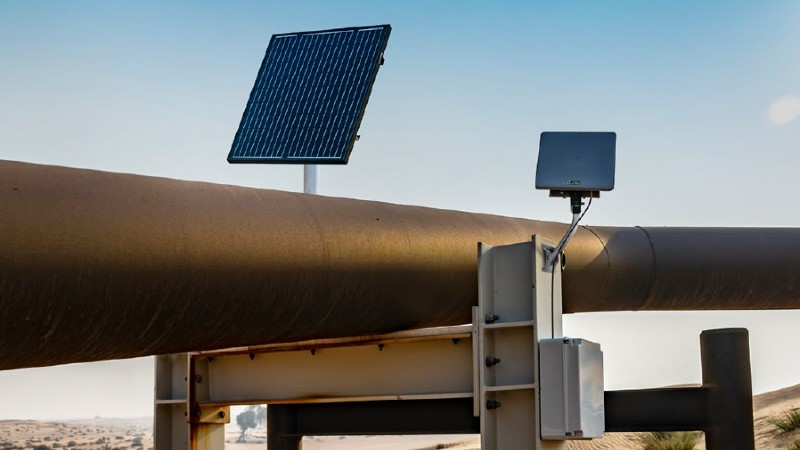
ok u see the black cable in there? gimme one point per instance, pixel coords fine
(552, 303)
(553, 273)
(574, 225)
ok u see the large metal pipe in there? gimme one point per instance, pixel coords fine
(97, 265)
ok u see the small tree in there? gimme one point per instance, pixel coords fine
(261, 415)
(246, 420)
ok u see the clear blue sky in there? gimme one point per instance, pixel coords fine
(703, 97)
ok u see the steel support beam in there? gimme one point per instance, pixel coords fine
(393, 417)
(667, 409)
(421, 381)
(519, 304)
(722, 407)
(282, 429)
(725, 358)
(171, 409)
(418, 380)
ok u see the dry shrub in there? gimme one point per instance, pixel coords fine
(670, 440)
(786, 421)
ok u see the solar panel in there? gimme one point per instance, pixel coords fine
(309, 96)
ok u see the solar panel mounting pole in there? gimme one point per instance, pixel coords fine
(310, 176)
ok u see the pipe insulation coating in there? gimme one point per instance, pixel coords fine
(97, 265)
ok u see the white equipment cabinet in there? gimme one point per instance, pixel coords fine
(571, 389)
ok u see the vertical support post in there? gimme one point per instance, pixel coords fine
(725, 355)
(170, 427)
(206, 425)
(207, 436)
(281, 427)
(310, 177)
(519, 303)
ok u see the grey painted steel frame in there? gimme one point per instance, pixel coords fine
(519, 303)
(727, 420)
(437, 367)
(190, 387)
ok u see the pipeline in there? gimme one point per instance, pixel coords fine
(97, 265)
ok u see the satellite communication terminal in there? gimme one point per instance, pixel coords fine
(575, 165)
(309, 98)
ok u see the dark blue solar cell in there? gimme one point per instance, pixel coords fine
(309, 97)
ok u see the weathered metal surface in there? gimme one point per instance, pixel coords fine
(725, 355)
(98, 265)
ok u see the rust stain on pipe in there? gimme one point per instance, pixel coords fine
(97, 265)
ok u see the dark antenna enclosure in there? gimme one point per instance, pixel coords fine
(309, 97)
(576, 162)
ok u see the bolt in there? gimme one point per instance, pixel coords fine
(197, 413)
(456, 340)
(380, 347)
(492, 318)
(492, 404)
(492, 361)
(252, 356)
(198, 378)
(221, 414)
(313, 351)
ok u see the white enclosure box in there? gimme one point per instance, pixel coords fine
(571, 389)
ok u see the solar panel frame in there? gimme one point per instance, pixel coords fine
(282, 87)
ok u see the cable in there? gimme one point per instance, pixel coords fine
(554, 256)
(552, 303)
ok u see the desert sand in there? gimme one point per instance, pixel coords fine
(135, 434)
(90, 434)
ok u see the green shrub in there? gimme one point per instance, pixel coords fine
(668, 440)
(787, 421)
